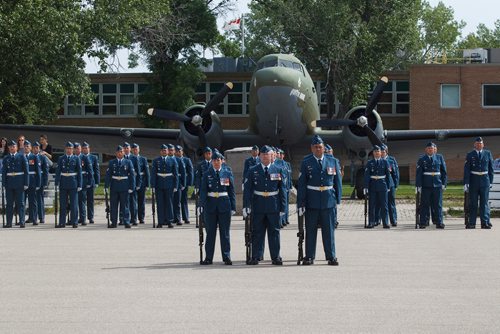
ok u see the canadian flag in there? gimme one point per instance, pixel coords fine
(232, 25)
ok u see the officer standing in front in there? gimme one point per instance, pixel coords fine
(87, 182)
(319, 191)
(377, 183)
(35, 182)
(145, 182)
(217, 204)
(15, 180)
(44, 167)
(391, 196)
(69, 180)
(264, 198)
(176, 154)
(478, 177)
(120, 179)
(96, 172)
(430, 182)
(189, 182)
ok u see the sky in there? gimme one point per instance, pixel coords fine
(471, 12)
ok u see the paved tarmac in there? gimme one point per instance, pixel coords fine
(144, 280)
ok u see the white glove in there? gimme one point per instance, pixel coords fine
(137, 188)
(79, 189)
(37, 188)
(282, 214)
(246, 212)
(130, 191)
(96, 186)
(388, 190)
(175, 190)
(443, 187)
(89, 186)
(301, 211)
(233, 212)
(242, 187)
(365, 191)
(25, 188)
(200, 210)
(182, 188)
(418, 190)
(195, 191)
(466, 188)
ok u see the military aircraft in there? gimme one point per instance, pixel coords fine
(284, 112)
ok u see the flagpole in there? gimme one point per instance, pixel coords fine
(242, 35)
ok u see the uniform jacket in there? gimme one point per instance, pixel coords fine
(287, 169)
(15, 164)
(137, 169)
(69, 165)
(432, 165)
(145, 177)
(96, 172)
(87, 171)
(181, 171)
(201, 167)
(380, 169)
(394, 170)
(34, 170)
(474, 164)
(211, 183)
(43, 161)
(249, 162)
(311, 175)
(256, 180)
(189, 171)
(124, 170)
(164, 165)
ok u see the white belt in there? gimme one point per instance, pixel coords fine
(68, 174)
(377, 177)
(164, 174)
(84, 172)
(15, 173)
(266, 193)
(479, 173)
(432, 173)
(141, 173)
(32, 173)
(322, 188)
(210, 194)
(119, 178)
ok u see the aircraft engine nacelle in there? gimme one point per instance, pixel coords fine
(190, 134)
(355, 138)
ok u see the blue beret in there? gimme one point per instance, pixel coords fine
(255, 148)
(69, 144)
(430, 144)
(119, 148)
(281, 151)
(85, 144)
(178, 148)
(328, 147)
(266, 149)
(27, 142)
(384, 147)
(316, 140)
(163, 147)
(134, 145)
(478, 140)
(207, 149)
(170, 146)
(36, 144)
(217, 155)
(75, 144)
(11, 143)
(125, 144)
(376, 148)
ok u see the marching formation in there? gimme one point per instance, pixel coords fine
(266, 186)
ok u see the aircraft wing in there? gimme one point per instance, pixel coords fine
(441, 134)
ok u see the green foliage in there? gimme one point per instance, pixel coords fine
(229, 47)
(484, 37)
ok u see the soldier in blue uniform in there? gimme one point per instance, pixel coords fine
(175, 153)
(319, 191)
(69, 180)
(250, 162)
(265, 198)
(120, 179)
(43, 161)
(15, 180)
(478, 177)
(35, 182)
(145, 183)
(430, 181)
(137, 181)
(391, 196)
(201, 167)
(87, 182)
(328, 149)
(96, 172)
(377, 183)
(165, 182)
(287, 169)
(189, 182)
(217, 204)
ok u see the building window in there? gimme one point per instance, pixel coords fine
(395, 99)
(491, 96)
(450, 96)
(234, 104)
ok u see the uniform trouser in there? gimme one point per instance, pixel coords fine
(176, 203)
(326, 218)
(223, 220)
(262, 222)
(483, 194)
(431, 198)
(284, 218)
(82, 205)
(64, 194)
(14, 195)
(40, 204)
(90, 203)
(120, 198)
(132, 198)
(32, 203)
(164, 206)
(184, 205)
(391, 205)
(141, 203)
(377, 207)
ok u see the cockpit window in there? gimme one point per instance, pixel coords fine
(281, 63)
(286, 63)
(269, 63)
(298, 67)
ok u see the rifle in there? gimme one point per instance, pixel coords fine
(200, 233)
(300, 235)
(56, 205)
(366, 210)
(417, 208)
(248, 238)
(153, 206)
(196, 197)
(107, 205)
(3, 206)
(466, 207)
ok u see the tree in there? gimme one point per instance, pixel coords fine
(484, 37)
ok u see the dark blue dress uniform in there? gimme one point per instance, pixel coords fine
(218, 200)
(44, 167)
(391, 196)
(265, 195)
(69, 180)
(182, 186)
(201, 168)
(478, 175)
(96, 172)
(87, 183)
(145, 183)
(319, 191)
(15, 179)
(378, 181)
(133, 196)
(287, 173)
(431, 179)
(35, 183)
(164, 179)
(120, 178)
(189, 182)
(249, 162)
